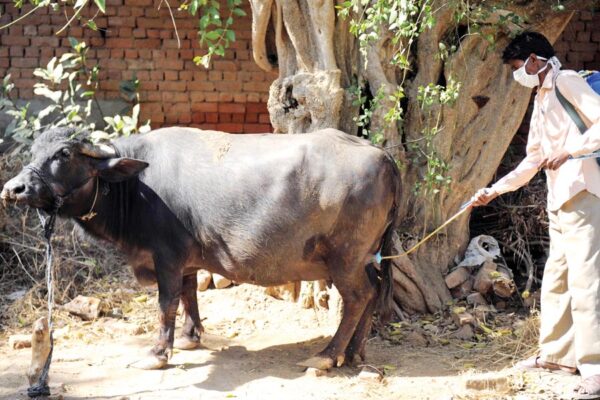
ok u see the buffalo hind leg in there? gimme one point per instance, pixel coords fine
(357, 292)
(361, 334)
(192, 327)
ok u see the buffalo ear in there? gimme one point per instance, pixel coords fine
(120, 169)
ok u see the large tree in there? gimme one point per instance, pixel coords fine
(424, 79)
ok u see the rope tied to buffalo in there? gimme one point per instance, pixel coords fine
(41, 388)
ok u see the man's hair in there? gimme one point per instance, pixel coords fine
(521, 47)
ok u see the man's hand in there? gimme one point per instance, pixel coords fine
(483, 197)
(555, 160)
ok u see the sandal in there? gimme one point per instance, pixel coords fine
(535, 364)
(588, 388)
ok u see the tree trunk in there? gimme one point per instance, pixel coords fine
(319, 61)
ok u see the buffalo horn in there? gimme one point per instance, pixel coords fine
(98, 150)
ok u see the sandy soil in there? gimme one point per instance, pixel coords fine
(250, 350)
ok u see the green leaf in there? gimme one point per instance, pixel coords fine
(194, 4)
(92, 25)
(230, 35)
(101, 5)
(238, 12)
(211, 35)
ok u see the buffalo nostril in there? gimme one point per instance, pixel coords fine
(18, 189)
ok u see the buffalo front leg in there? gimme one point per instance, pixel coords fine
(357, 293)
(192, 327)
(169, 291)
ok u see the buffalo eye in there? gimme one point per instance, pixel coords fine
(64, 153)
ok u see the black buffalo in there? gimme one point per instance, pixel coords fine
(264, 209)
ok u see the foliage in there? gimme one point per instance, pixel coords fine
(215, 32)
(70, 85)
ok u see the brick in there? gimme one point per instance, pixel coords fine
(172, 86)
(114, 64)
(153, 33)
(145, 54)
(140, 64)
(24, 62)
(30, 30)
(256, 87)
(264, 119)
(147, 43)
(169, 64)
(205, 107)
(198, 117)
(583, 37)
(212, 117)
(9, 40)
(139, 3)
(585, 16)
(224, 117)
(596, 36)
(251, 118)
(139, 33)
(225, 97)
(175, 97)
(215, 76)
(184, 118)
(230, 76)
(119, 43)
(239, 97)
(148, 86)
(131, 54)
(225, 66)
(166, 34)
(232, 108)
(257, 128)
(197, 97)
(4, 63)
(259, 108)
(212, 97)
(26, 83)
(186, 75)
(117, 53)
(171, 75)
(125, 32)
(4, 51)
(16, 51)
(230, 127)
(238, 118)
(157, 75)
(155, 23)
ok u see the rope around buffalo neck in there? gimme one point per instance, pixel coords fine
(41, 388)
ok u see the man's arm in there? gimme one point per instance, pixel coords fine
(517, 177)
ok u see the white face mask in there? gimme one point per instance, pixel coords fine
(525, 79)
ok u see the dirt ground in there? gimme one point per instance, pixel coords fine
(250, 350)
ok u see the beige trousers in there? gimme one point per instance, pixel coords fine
(570, 296)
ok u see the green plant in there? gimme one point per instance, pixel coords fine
(215, 32)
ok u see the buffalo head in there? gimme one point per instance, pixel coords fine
(62, 172)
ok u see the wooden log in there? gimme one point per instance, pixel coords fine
(503, 286)
(40, 348)
(484, 278)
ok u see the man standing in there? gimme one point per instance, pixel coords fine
(570, 294)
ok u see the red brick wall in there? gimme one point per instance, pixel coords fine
(579, 45)
(140, 39)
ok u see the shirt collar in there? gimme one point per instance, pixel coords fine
(549, 80)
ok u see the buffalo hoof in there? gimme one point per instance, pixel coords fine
(318, 362)
(185, 343)
(150, 363)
